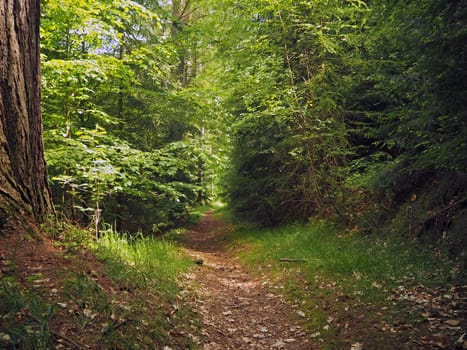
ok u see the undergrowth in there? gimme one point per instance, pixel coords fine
(138, 261)
(132, 303)
(341, 279)
(331, 251)
(25, 317)
(147, 268)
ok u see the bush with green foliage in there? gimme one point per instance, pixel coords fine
(289, 136)
(407, 116)
(360, 108)
(123, 143)
(136, 190)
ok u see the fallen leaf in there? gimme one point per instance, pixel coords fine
(5, 337)
(453, 323)
(356, 346)
(246, 340)
(278, 345)
(461, 339)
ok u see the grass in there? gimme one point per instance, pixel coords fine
(333, 252)
(142, 261)
(131, 302)
(147, 269)
(24, 317)
(344, 277)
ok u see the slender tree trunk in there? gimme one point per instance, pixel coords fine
(121, 55)
(24, 194)
(180, 17)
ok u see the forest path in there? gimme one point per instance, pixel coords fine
(237, 310)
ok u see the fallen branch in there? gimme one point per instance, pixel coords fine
(70, 341)
(291, 260)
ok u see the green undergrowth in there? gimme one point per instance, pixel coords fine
(138, 261)
(25, 317)
(342, 281)
(331, 251)
(131, 301)
(147, 269)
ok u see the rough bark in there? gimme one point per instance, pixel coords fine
(24, 194)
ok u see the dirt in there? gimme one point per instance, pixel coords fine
(42, 267)
(40, 256)
(237, 310)
(89, 309)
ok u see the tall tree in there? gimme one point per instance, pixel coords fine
(24, 193)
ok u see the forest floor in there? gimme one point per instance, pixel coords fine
(246, 307)
(237, 310)
(54, 297)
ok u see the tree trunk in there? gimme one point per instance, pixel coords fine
(24, 193)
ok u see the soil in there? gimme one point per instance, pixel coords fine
(41, 266)
(237, 310)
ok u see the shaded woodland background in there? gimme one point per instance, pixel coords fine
(353, 111)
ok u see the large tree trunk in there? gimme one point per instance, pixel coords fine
(24, 194)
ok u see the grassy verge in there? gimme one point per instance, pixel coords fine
(120, 292)
(147, 269)
(331, 251)
(350, 288)
(137, 261)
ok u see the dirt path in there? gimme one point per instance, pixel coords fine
(237, 310)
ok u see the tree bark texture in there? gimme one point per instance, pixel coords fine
(24, 193)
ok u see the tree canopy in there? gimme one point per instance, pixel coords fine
(289, 110)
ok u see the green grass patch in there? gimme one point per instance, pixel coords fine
(334, 252)
(24, 317)
(138, 261)
(343, 281)
(148, 268)
(137, 307)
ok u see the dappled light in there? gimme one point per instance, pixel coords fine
(204, 174)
